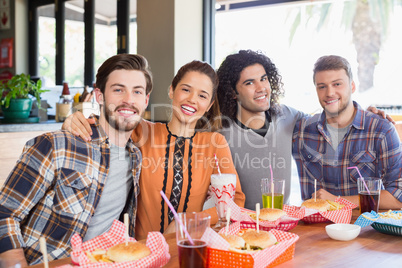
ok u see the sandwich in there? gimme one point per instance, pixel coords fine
(258, 240)
(269, 214)
(131, 252)
(236, 242)
(318, 204)
(120, 253)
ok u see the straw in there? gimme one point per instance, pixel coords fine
(257, 212)
(43, 249)
(126, 223)
(177, 217)
(361, 177)
(315, 190)
(227, 220)
(272, 186)
(217, 166)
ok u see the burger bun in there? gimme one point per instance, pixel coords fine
(261, 239)
(271, 214)
(131, 252)
(318, 204)
(235, 241)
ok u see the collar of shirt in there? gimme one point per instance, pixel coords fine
(358, 120)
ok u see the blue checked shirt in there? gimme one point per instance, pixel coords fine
(54, 189)
(371, 144)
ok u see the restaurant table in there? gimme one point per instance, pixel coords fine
(315, 249)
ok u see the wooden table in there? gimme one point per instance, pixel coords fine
(315, 249)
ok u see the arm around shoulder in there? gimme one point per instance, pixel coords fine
(13, 257)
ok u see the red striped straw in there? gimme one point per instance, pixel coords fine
(361, 177)
(217, 165)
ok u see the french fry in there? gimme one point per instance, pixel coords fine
(390, 215)
(334, 205)
(98, 255)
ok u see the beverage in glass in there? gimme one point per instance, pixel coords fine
(192, 255)
(223, 187)
(369, 194)
(194, 225)
(278, 193)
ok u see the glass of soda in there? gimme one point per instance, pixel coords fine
(192, 255)
(369, 194)
(278, 191)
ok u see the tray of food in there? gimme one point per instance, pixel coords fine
(238, 247)
(319, 210)
(389, 222)
(113, 249)
(267, 216)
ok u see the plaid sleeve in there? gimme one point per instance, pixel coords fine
(390, 162)
(25, 186)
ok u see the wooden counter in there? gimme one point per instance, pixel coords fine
(12, 140)
(315, 249)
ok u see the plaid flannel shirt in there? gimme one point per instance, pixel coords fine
(371, 144)
(54, 189)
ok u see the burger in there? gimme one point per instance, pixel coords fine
(131, 252)
(236, 242)
(318, 204)
(258, 240)
(269, 214)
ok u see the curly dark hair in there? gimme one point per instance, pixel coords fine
(229, 75)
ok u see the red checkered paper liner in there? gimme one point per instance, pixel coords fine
(343, 215)
(262, 258)
(239, 214)
(116, 235)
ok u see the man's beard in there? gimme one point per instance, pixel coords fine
(341, 109)
(122, 124)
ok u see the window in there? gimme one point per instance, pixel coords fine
(268, 28)
(47, 45)
(73, 64)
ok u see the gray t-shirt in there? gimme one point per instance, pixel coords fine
(336, 134)
(253, 154)
(114, 195)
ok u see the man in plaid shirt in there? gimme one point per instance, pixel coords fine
(63, 185)
(343, 136)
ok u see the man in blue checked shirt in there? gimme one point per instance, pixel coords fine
(343, 136)
(63, 185)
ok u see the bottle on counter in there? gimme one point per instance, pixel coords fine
(66, 97)
(65, 104)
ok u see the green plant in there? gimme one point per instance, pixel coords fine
(20, 86)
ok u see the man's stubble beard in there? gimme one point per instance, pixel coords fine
(125, 126)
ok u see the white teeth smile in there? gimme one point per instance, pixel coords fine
(260, 98)
(329, 102)
(126, 112)
(191, 110)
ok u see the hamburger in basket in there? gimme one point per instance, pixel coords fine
(269, 214)
(319, 210)
(249, 240)
(131, 251)
(115, 249)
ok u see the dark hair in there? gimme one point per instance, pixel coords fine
(229, 75)
(332, 62)
(211, 120)
(124, 62)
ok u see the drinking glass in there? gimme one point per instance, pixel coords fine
(369, 194)
(223, 187)
(192, 255)
(266, 191)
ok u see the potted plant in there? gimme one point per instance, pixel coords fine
(15, 101)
